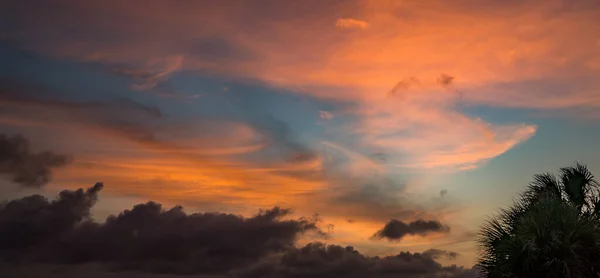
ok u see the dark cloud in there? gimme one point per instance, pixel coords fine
(33, 221)
(323, 261)
(402, 85)
(147, 237)
(380, 156)
(396, 229)
(121, 117)
(121, 106)
(438, 253)
(24, 167)
(445, 80)
(28, 96)
(443, 193)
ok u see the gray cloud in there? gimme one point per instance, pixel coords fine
(374, 198)
(25, 167)
(404, 84)
(445, 80)
(34, 221)
(323, 261)
(121, 117)
(438, 253)
(396, 229)
(147, 237)
(443, 193)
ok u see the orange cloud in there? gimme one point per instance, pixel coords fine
(472, 42)
(350, 23)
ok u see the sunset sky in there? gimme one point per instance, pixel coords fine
(358, 111)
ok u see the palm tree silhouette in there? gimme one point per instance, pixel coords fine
(552, 229)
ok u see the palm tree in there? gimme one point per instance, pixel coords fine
(552, 229)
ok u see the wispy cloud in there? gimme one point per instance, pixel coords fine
(351, 23)
(325, 115)
(366, 67)
(154, 72)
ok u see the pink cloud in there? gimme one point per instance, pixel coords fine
(298, 47)
(154, 72)
(350, 23)
(325, 115)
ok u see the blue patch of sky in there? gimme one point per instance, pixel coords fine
(61, 79)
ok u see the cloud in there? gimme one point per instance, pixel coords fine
(33, 221)
(374, 200)
(352, 68)
(438, 253)
(350, 23)
(325, 115)
(409, 128)
(148, 238)
(146, 125)
(445, 80)
(396, 229)
(25, 167)
(404, 84)
(28, 96)
(154, 72)
(320, 260)
(281, 137)
(121, 117)
(226, 159)
(443, 193)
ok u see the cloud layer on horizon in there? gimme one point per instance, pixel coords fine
(149, 238)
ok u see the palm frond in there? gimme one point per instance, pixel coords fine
(577, 181)
(542, 184)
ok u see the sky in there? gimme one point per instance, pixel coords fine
(402, 124)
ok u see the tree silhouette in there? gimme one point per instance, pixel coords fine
(552, 229)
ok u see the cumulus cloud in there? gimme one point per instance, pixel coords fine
(146, 237)
(324, 261)
(149, 238)
(25, 167)
(32, 222)
(351, 23)
(395, 229)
